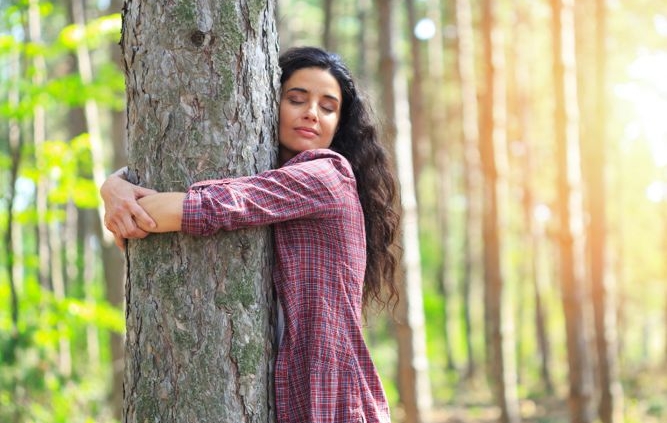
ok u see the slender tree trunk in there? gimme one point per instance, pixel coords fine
(59, 294)
(610, 407)
(498, 321)
(202, 85)
(39, 136)
(414, 383)
(419, 123)
(49, 251)
(570, 212)
(471, 171)
(328, 39)
(365, 72)
(85, 121)
(15, 141)
(442, 151)
(525, 135)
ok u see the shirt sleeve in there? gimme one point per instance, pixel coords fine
(315, 183)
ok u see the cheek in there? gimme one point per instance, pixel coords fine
(333, 125)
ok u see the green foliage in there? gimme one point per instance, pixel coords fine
(36, 383)
(33, 386)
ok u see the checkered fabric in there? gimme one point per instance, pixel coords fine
(324, 372)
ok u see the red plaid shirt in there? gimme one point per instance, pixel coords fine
(324, 371)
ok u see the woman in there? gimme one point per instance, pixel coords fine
(331, 204)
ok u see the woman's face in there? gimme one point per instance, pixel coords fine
(310, 104)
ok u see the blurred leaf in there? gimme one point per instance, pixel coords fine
(72, 35)
(68, 90)
(100, 314)
(85, 194)
(9, 44)
(93, 34)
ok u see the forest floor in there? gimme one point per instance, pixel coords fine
(651, 408)
(644, 400)
(551, 411)
(548, 411)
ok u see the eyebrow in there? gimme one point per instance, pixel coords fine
(305, 91)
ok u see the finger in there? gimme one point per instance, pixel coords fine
(128, 228)
(142, 192)
(141, 218)
(125, 225)
(137, 233)
(120, 242)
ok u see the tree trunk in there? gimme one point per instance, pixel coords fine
(442, 152)
(498, 322)
(471, 175)
(328, 38)
(38, 138)
(414, 383)
(570, 210)
(15, 146)
(202, 86)
(532, 231)
(418, 121)
(365, 72)
(591, 40)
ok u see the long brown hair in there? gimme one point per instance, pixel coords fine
(357, 140)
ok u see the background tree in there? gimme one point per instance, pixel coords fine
(414, 383)
(591, 61)
(493, 158)
(202, 85)
(522, 139)
(471, 170)
(570, 209)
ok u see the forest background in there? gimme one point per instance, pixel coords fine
(62, 100)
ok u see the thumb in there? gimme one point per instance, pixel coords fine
(142, 192)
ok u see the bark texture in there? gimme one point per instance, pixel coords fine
(202, 85)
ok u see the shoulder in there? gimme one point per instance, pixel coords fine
(322, 160)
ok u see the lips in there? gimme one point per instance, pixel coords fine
(306, 132)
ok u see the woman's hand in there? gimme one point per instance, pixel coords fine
(123, 215)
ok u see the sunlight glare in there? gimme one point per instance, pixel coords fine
(425, 29)
(542, 213)
(660, 22)
(657, 192)
(647, 92)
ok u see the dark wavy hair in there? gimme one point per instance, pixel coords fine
(357, 140)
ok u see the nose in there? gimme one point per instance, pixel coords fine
(311, 112)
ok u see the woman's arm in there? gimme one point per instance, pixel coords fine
(166, 210)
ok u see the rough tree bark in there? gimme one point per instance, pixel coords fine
(202, 84)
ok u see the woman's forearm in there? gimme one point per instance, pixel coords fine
(166, 209)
